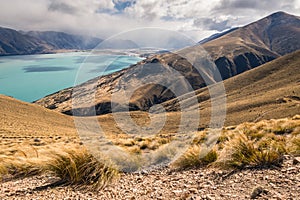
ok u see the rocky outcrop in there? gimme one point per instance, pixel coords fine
(240, 63)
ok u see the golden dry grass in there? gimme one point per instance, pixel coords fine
(19, 119)
(58, 150)
(79, 167)
(137, 142)
(260, 144)
(195, 157)
(34, 140)
(72, 163)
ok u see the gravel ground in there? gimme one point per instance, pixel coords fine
(278, 183)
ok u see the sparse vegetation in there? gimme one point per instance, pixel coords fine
(246, 145)
(194, 157)
(261, 144)
(243, 152)
(18, 167)
(73, 167)
(80, 167)
(294, 145)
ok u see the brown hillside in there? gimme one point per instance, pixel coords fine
(270, 91)
(20, 118)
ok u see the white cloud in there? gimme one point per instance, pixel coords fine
(197, 18)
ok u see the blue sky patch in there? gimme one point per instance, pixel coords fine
(121, 5)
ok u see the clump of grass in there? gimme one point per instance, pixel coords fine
(200, 137)
(257, 135)
(135, 149)
(195, 158)
(280, 130)
(19, 165)
(244, 152)
(294, 145)
(3, 170)
(19, 168)
(129, 143)
(81, 168)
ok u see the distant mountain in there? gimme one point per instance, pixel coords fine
(216, 36)
(233, 53)
(60, 40)
(255, 44)
(14, 42)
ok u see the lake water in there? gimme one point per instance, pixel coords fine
(31, 77)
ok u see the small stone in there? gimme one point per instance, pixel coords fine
(37, 140)
(177, 191)
(291, 168)
(210, 197)
(296, 160)
(193, 190)
(256, 192)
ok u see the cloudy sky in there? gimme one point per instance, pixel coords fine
(102, 18)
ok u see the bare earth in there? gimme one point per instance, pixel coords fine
(283, 183)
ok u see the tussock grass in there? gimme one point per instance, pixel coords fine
(22, 168)
(244, 152)
(194, 158)
(260, 144)
(78, 167)
(73, 167)
(140, 144)
(19, 166)
(3, 169)
(294, 145)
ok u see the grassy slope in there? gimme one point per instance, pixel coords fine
(20, 118)
(35, 140)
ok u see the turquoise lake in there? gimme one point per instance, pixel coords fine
(31, 77)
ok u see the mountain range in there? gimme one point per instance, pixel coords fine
(233, 53)
(60, 40)
(252, 45)
(14, 42)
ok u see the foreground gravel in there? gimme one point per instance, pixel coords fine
(276, 183)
